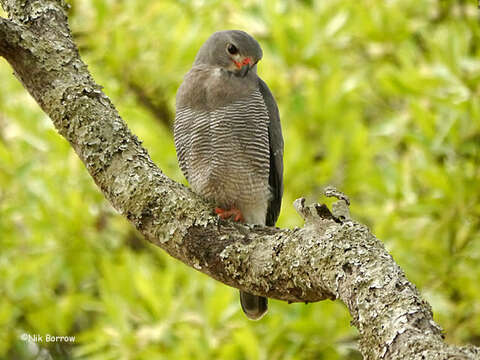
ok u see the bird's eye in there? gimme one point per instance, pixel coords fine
(232, 49)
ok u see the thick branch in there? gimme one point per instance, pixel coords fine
(9, 36)
(331, 257)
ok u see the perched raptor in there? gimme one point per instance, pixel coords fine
(228, 136)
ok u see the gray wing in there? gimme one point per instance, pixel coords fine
(276, 155)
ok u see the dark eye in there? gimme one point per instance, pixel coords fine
(232, 49)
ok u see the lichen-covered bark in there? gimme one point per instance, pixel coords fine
(332, 256)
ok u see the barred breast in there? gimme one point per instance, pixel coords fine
(225, 155)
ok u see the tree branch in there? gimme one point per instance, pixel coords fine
(9, 36)
(332, 256)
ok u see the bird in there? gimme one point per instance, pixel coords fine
(228, 137)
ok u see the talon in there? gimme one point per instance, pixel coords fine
(239, 216)
(222, 213)
(226, 214)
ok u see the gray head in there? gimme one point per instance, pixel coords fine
(232, 50)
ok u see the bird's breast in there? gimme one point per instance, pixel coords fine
(224, 153)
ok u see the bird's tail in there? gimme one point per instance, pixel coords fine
(253, 306)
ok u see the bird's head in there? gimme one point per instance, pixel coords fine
(232, 50)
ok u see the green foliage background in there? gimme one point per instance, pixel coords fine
(379, 98)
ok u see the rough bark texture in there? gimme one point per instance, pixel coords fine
(332, 256)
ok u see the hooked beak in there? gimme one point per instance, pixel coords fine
(243, 66)
(243, 70)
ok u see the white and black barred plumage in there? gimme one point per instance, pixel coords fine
(225, 154)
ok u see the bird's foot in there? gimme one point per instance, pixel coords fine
(226, 214)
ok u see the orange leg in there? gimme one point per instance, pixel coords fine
(225, 214)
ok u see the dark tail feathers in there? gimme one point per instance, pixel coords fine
(253, 306)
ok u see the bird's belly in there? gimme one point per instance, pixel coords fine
(232, 172)
(236, 183)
